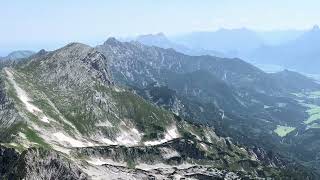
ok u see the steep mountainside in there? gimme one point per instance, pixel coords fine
(129, 58)
(62, 116)
(294, 81)
(238, 99)
(230, 85)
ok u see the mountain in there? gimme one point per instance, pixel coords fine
(300, 54)
(135, 62)
(294, 81)
(232, 42)
(229, 85)
(14, 57)
(277, 37)
(17, 55)
(160, 40)
(239, 100)
(64, 117)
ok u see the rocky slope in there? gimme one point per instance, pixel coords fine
(62, 116)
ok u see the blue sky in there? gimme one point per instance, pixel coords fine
(33, 24)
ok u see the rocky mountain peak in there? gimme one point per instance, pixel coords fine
(112, 41)
(74, 62)
(74, 48)
(42, 51)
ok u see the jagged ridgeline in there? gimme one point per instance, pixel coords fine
(63, 117)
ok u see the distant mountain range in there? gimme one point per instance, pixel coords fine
(291, 49)
(288, 49)
(301, 54)
(278, 37)
(222, 43)
(17, 55)
(160, 40)
(233, 42)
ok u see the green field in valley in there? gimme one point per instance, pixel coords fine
(283, 130)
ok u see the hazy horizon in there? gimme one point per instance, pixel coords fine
(33, 25)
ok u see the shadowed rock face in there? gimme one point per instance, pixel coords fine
(8, 160)
(37, 163)
(175, 152)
